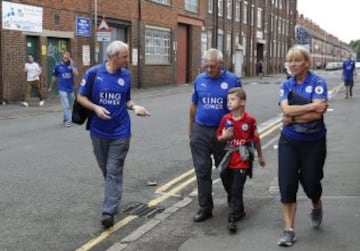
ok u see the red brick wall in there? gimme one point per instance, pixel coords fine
(13, 44)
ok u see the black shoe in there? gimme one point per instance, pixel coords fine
(231, 224)
(238, 216)
(202, 215)
(107, 220)
(232, 227)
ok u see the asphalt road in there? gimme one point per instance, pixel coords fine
(51, 189)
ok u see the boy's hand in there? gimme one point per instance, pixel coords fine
(261, 161)
(228, 132)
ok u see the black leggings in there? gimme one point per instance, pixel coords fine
(301, 161)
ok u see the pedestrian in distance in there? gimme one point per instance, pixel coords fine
(302, 144)
(109, 99)
(260, 68)
(208, 106)
(238, 129)
(64, 74)
(33, 71)
(348, 72)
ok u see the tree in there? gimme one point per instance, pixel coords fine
(355, 45)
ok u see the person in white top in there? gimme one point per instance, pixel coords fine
(33, 71)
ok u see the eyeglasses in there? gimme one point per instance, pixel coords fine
(210, 66)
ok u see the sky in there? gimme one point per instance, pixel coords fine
(339, 18)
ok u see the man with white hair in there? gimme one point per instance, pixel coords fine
(105, 90)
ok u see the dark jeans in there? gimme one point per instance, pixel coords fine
(234, 182)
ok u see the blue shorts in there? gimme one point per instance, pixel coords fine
(300, 161)
(349, 82)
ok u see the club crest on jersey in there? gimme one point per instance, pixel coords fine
(245, 127)
(121, 82)
(319, 90)
(308, 89)
(281, 92)
(83, 81)
(224, 85)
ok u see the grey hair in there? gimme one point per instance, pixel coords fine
(214, 53)
(115, 47)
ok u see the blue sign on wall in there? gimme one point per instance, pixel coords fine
(83, 26)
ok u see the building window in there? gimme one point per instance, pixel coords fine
(245, 12)
(228, 44)
(252, 15)
(220, 40)
(191, 5)
(220, 8)
(259, 18)
(166, 2)
(237, 10)
(210, 6)
(229, 9)
(157, 45)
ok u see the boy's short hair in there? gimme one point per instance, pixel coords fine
(239, 92)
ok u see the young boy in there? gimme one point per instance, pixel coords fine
(238, 129)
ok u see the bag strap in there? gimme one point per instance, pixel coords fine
(92, 80)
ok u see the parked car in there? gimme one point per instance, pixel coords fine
(330, 66)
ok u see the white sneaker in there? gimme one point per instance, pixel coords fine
(25, 104)
(41, 103)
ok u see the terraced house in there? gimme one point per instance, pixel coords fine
(166, 37)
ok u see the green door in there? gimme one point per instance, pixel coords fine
(32, 48)
(55, 47)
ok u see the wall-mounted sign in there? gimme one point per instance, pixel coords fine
(103, 31)
(22, 17)
(83, 26)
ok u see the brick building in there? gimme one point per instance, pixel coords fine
(324, 47)
(166, 37)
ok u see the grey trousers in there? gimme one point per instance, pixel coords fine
(203, 144)
(110, 155)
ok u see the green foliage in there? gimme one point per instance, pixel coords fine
(355, 45)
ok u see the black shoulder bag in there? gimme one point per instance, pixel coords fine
(79, 113)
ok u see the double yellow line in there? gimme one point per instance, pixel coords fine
(169, 189)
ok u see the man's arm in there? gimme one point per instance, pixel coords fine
(139, 110)
(53, 80)
(192, 113)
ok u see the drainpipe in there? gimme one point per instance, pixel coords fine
(95, 28)
(139, 85)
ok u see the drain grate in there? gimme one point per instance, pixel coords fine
(142, 210)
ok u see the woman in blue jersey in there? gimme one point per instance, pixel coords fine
(302, 143)
(110, 121)
(208, 106)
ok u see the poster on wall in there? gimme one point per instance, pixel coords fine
(21, 17)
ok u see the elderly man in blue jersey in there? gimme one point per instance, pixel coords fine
(208, 106)
(110, 121)
(348, 75)
(302, 143)
(64, 73)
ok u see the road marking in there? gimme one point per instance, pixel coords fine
(93, 242)
(264, 130)
(172, 182)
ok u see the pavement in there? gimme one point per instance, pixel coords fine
(261, 228)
